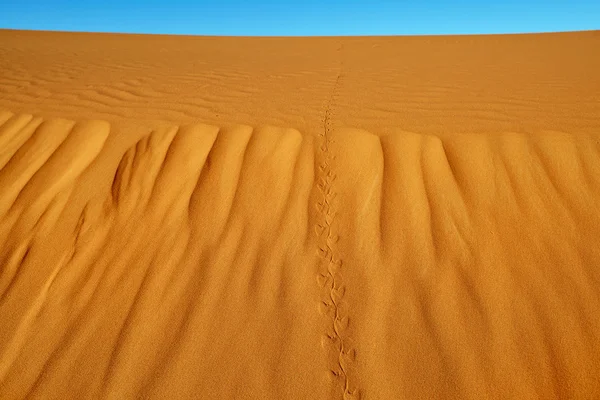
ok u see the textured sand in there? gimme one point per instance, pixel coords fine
(299, 218)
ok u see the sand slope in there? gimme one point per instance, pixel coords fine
(359, 253)
(435, 85)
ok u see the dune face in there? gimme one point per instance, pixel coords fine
(299, 218)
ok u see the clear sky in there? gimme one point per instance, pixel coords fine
(302, 17)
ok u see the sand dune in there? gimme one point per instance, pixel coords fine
(323, 218)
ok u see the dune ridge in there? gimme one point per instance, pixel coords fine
(351, 265)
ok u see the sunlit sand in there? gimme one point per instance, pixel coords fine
(299, 218)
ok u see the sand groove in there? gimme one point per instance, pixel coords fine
(118, 229)
(38, 178)
(44, 161)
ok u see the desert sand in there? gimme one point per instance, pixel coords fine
(299, 218)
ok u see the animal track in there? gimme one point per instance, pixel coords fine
(330, 277)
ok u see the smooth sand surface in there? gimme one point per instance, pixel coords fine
(299, 218)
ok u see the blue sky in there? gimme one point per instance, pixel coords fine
(302, 17)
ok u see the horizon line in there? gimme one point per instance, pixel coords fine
(300, 36)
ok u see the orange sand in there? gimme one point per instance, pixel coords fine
(299, 218)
